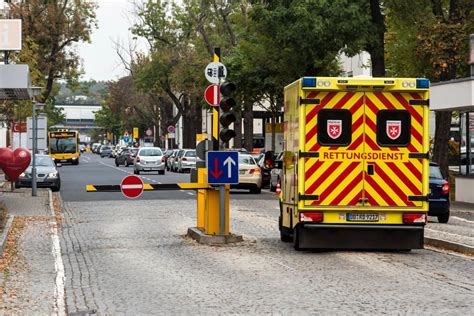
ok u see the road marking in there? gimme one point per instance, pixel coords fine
(59, 291)
(190, 193)
(132, 186)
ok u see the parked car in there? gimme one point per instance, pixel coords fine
(439, 194)
(126, 157)
(47, 176)
(187, 161)
(82, 148)
(149, 159)
(105, 151)
(250, 175)
(170, 160)
(95, 147)
(275, 173)
(174, 166)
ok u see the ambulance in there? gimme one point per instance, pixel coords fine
(355, 166)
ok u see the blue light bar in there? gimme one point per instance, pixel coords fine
(422, 83)
(309, 82)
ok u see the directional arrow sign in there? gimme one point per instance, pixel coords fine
(223, 167)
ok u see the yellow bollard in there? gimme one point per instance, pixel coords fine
(201, 197)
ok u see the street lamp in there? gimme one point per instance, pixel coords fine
(34, 91)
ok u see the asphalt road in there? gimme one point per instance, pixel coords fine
(95, 170)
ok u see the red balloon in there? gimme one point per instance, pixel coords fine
(13, 163)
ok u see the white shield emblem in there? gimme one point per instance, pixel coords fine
(394, 129)
(334, 128)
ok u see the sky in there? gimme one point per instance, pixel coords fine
(100, 60)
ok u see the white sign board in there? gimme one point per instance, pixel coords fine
(212, 72)
(171, 135)
(10, 34)
(42, 133)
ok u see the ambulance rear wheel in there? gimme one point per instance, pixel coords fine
(296, 238)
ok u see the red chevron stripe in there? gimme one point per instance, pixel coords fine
(343, 100)
(311, 133)
(415, 95)
(370, 124)
(337, 182)
(412, 148)
(372, 201)
(356, 143)
(371, 143)
(408, 107)
(315, 147)
(394, 148)
(417, 173)
(313, 169)
(323, 177)
(379, 190)
(355, 107)
(384, 100)
(356, 198)
(396, 188)
(416, 135)
(327, 98)
(371, 105)
(357, 123)
(406, 182)
(312, 114)
(312, 95)
(348, 188)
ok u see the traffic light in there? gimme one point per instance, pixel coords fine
(227, 116)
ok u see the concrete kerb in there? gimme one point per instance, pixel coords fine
(199, 235)
(5, 233)
(439, 243)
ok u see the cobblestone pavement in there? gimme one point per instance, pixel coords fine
(131, 257)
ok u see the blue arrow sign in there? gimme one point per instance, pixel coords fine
(222, 167)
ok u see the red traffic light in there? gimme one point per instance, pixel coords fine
(228, 88)
(226, 134)
(227, 103)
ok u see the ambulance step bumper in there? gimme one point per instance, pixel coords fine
(381, 237)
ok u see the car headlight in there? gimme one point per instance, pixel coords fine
(22, 175)
(53, 175)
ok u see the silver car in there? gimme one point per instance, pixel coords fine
(187, 161)
(175, 164)
(47, 176)
(149, 159)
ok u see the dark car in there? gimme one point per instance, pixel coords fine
(438, 195)
(126, 157)
(47, 174)
(105, 151)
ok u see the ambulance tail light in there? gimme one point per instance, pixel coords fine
(314, 217)
(414, 218)
(445, 188)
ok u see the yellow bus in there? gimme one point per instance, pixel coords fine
(63, 146)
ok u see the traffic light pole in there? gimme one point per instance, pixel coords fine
(217, 145)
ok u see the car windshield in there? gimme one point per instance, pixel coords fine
(435, 172)
(150, 152)
(246, 160)
(43, 161)
(190, 154)
(58, 145)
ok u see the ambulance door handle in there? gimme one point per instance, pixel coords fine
(370, 170)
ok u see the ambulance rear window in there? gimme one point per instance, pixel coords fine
(393, 128)
(334, 127)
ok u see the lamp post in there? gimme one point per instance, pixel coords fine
(34, 91)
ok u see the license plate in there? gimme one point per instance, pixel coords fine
(63, 160)
(241, 171)
(362, 217)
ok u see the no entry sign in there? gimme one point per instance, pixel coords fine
(131, 186)
(212, 95)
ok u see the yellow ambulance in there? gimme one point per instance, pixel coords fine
(355, 166)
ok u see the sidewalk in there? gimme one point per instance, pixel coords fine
(27, 284)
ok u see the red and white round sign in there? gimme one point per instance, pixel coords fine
(132, 186)
(212, 95)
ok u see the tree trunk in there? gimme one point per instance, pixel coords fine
(191, 122)
(376, 48)
(440, 150)
(248, 126)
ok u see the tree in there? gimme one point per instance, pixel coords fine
(430, 39)
(50, 28)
